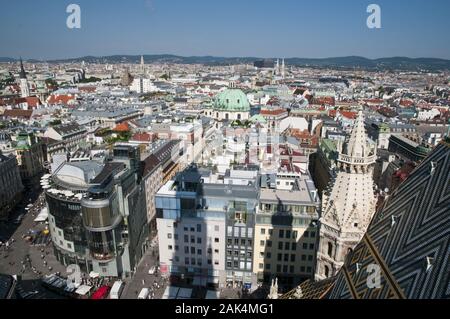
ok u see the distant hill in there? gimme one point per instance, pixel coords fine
(349, 62)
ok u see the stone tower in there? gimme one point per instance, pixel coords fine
(348, 204)
(24, 89)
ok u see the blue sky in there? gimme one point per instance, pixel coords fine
(282, 28)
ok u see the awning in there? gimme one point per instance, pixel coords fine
(93, 274)
(83, 290)
(43, 215)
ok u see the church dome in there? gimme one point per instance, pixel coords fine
(233, 100)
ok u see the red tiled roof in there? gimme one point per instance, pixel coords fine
(18, 113)
(142, 137)
(272, 112)
(60, 99)
(122, 127)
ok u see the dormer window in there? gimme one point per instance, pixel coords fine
(238, 101)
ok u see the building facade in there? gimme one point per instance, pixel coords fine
(10, 185)
(97, 214)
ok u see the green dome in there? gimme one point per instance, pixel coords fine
(231, 100)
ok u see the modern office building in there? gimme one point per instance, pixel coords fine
(286, 229)
(97, 213)
(206, 226)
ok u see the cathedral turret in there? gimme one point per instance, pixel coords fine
(348, 208)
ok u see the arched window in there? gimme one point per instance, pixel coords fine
(226, 116)
(330, 249)
(327, 271)
(239, 116)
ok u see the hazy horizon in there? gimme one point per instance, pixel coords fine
(36, 29)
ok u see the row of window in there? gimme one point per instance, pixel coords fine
(192, 239)
(236, 253)
(192, 250)
(286, 245)
(237, 241)
(286, 269)
(193, 261)
(288, 233)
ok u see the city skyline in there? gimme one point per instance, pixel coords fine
(263, 29)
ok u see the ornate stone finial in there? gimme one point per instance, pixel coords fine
(298, 294)
(274, 290)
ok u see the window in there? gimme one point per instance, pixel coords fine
(263, 231)
(308, 269)
(228, 263)
(306, 234)
(286, 246)
(186, 238)
(169, 236)
(292, 257)
(193, 239)
(305, 246)
(216, 262)
(310, 257)
(330, 249)
(278, 268)
(285, 268)
(193, 261)
(199, 240)
(270, 232)
(216, 228)
(199, 251)
(288, 234)
(267, 266)
(199, 262)
(229, 252)
(186, 261)
(281, 233)
(294, 234)
(177, 259)
(291, 269)
(294, 246)
(216, 251)
(261, 243)
(261, 266)
(170, 247)
(311, 246)
(269, 255)
(327, 271)
(280, 245)
(192, 229)
(302, 269)
(269, 243)
(279, 257)
(186, 250)
(286, 257)
(192, 250)
(303, 257)
(199, 228)
(216, 240)
(313, 234)
(176, 236)
(176, 247)
(243, 241)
